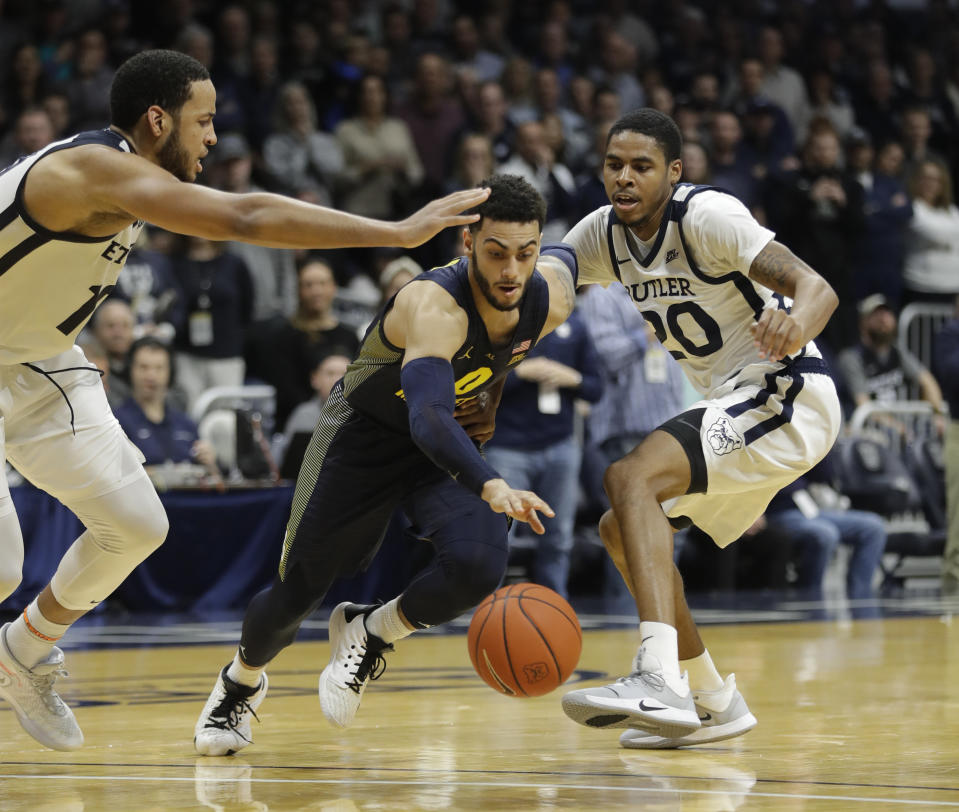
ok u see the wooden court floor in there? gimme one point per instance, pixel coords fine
(853, 715)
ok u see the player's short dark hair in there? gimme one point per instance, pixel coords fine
(658, 126)
(512, 200)
(159, 77)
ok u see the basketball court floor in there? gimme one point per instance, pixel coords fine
(858, 709)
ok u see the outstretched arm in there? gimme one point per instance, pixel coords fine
(97, 184)
(778, 333)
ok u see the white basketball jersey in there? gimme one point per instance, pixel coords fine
(51, 282)
(692, 283)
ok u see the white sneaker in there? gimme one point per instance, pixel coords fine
(224, 724)
(641, 700)
(723, 715)
(40, 710)
(356, 657)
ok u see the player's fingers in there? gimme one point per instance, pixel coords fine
(533, 521)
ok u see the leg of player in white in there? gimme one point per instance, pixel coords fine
(95, 471)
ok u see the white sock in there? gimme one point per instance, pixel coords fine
(662, 642)
(385, 622)
(703, 675)
(31, 637)
(243, 674)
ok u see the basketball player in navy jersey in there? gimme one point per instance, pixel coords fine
(69, 215)
(388, 437)
(739, 311)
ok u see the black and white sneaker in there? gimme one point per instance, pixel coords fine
(224, 725)
(356, 657)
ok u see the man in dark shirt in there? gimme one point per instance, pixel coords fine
(946, 366)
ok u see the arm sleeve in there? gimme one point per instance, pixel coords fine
(429, 389)
(565, 254)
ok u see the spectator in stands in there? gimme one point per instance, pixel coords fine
(931, 268)
(491, 120)
(915, 138)
(57, 106)
(781, 84)
(89, 89)
(730, 165)
(272, 270)
(576, 131)
(396, 273)
(32, 131)
(821, 217)
(26, 83)
(112, 326)
(877, 108)
(535, 445)
(877, 369)
(815, 534)
(617, 67)
(946, 366)
(305, 160)
(160, 431)
(282, 351)
(263, 88)
(382, 165)
(218, 298)
(829, 100)
(696, 168)
(469, 52)
(881, 247)
(434, 117)
(329, 365)
(536, 163)
(149, 286)
(474, 161)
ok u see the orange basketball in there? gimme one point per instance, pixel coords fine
(524, 640)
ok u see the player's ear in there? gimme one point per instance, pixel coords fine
(675, 171)
(155, 121)
(467, 239)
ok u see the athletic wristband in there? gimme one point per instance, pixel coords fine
(429, 389)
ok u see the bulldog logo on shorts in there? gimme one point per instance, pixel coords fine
(722, 437)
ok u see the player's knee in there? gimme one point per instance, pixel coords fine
(10, 577)
(476, 571)
(610, 534)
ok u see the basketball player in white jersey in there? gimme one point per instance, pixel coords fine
(69, 215)
(739, 311)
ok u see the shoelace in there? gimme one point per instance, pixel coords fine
(43, 683)
(371, 667)
(651, 678)
(227, 715)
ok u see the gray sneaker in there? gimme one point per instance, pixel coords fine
(641, 700)
(716, 725)
(39, 708)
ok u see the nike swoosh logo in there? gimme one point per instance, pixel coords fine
(644, 707)
(705, 717)
(621, 261)
(650, 637)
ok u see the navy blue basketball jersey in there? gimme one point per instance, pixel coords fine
(372, 382)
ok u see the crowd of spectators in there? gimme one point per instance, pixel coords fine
(836, 123)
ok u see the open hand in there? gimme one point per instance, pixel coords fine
(439, 214)
(521, 505)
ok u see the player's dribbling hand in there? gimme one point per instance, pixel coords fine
(522, 505)
(777, 334)
(439, 214)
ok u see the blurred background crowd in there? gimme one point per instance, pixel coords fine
(834, 122)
